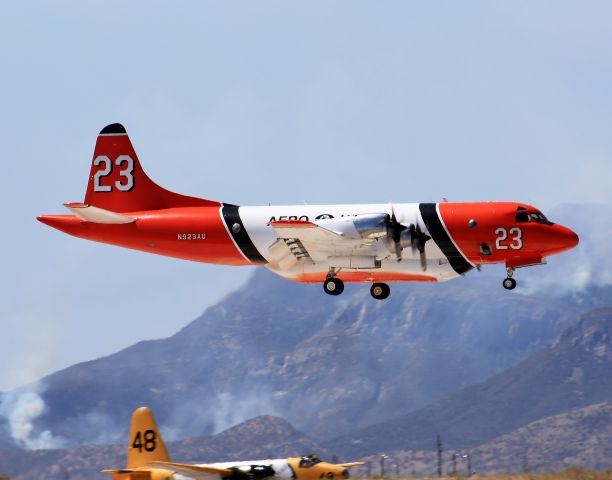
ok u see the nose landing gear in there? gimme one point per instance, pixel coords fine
(509, 283)
(380, 291)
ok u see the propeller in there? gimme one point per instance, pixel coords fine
(394, 232)
(418, 238)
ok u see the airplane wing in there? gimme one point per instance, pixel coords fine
(350, 465)
(197, 472)
(302, 240)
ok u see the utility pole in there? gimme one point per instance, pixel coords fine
(397, 469)
(439, 449)
(382, 465)
(454, 460)
(468, 458)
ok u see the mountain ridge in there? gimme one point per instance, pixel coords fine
(329, 365)
(580, 437)
(565, 375)
(256, 438)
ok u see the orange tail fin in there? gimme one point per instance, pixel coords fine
(118, 183)
(146, 444)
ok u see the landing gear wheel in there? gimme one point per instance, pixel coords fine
(333, 286)
(509, 283)
(380, 291)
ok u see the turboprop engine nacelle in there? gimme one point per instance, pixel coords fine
(372, 225)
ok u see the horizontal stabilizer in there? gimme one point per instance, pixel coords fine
(93, 214)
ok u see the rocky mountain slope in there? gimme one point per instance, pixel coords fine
(574, 371)
(578, 438)
(328, 365)
(259, 438)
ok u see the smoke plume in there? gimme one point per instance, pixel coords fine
(20, 409)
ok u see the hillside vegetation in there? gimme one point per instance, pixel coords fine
(569, 474)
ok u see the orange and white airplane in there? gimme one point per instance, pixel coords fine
(148, 459)
(328, 244)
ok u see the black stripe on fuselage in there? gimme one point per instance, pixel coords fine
(444, 242)
(236, 229)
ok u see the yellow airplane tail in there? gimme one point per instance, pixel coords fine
(146, 444)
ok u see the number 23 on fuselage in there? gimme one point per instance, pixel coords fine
(328, 244)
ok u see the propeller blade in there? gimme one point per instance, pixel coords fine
(418, 239)
(423, 260)
(394, 229)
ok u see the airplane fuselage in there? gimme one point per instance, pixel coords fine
(230, 235)
(333, 244)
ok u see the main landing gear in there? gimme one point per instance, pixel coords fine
(509, 283)
(334, 286)
(380, 291)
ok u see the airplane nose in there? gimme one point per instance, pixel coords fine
(566, 238)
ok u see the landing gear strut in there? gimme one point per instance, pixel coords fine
(509, 283)
(333, 286)
(380, 291)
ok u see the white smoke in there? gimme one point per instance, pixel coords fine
(20, 409)
(191, 418)
(231, 409)
(588, 265)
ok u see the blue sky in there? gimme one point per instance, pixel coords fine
(281, 102)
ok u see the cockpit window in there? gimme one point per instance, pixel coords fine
(523, 215)
(539, 218)
(309, 460)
